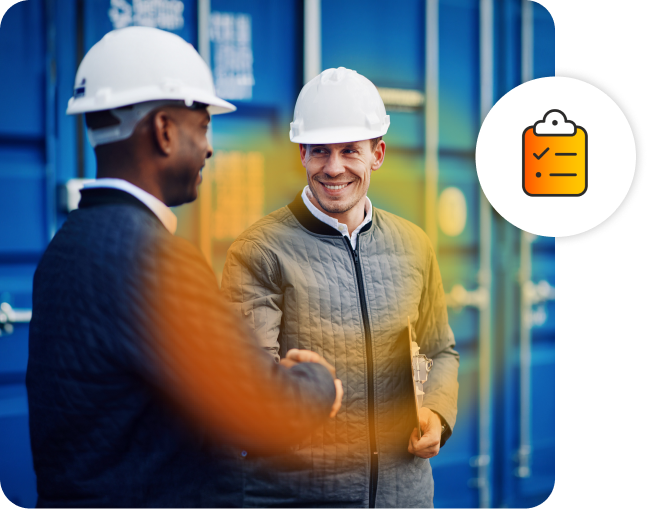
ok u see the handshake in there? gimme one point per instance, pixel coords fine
(296, 356)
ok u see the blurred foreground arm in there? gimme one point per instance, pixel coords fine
(205, 358)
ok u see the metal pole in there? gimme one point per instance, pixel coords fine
(51, 140)
(485, 271)
(527, 40)
(526, 322)
(431, 116)
(526, 299)
(312, 39)
(205, 201)
(204, 12)
(80, 52)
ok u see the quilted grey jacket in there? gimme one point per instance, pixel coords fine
(299, 284)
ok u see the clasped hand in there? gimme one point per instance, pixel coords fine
(429, 444)
(296, 356)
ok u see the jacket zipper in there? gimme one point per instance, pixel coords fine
(373, 478)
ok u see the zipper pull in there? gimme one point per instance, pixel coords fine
(356, 258)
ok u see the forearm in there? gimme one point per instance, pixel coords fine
(248, 285)
(441, 389)
(437, 342)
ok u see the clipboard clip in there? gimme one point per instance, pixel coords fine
(421, 366)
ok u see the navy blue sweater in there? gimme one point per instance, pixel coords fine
(144, 389)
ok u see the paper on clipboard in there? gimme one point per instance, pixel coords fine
(421, 366)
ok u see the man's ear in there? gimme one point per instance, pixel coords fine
(164, 131)
(379, 155)
(303, 151)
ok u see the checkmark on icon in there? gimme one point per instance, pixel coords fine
(538, 157)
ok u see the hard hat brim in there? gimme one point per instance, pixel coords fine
(327, 136)
(216, 105)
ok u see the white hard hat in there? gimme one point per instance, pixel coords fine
(140, 64)
(338, 106)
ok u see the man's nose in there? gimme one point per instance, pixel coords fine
(210, 151)
(334, 166)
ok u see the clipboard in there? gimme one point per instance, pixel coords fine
(420, 366)
(411, 350)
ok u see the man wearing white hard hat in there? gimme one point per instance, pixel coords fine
(144, 389)
(333, 274)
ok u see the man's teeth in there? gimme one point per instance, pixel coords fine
(335, 187)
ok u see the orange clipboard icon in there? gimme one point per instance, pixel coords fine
(554, 157)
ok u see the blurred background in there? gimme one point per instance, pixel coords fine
(439, 66)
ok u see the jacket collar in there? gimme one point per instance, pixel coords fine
(311, 223)
(97, 197)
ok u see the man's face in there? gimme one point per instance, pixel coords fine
(338, 174)
(191, 149)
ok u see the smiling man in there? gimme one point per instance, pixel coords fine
(333, 274)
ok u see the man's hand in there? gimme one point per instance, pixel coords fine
(296, 356)
(429, 444)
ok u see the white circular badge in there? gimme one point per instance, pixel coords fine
(555, 156)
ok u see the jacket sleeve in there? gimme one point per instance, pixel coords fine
(250, 284)
(189, 344)
(437, 341)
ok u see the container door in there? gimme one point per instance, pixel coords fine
(459, 470)
(26, 220)
(525, 432)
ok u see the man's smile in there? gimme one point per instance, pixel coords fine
(335, 188)
(339, 186)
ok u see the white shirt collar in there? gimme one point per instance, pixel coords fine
(334, 223)
(164, 214)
